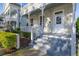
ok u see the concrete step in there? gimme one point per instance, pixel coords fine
(38, 40)
(36, 47)
(41, 40)
(56, 36)
(39, 44)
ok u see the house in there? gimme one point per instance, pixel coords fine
(1, 22)
(52, 27)
(11, 15)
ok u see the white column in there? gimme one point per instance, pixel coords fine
(42, 10)
(19, 20)
(18, 41)
(31, 28)
(32, 37)
(42, 16)
(9, 16)
(73, 34)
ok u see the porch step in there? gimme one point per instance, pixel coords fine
(49, 44)
(41, 40)
(52, 36)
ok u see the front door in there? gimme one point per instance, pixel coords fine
(58, 21)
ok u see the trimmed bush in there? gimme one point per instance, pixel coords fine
(17, 30)
(26, 34)
(7, 39)
(25, 39)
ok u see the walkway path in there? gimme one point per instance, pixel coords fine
(24, 52)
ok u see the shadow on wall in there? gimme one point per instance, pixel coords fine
(59, 47)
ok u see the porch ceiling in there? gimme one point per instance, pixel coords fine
(51, 5)
(35, 11)
(48, 6)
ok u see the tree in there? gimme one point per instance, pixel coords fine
(77, 35)
(77, 25)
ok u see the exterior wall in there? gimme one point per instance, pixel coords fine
(1, 23)
(24, 24)
(49, 13)
(36, 19)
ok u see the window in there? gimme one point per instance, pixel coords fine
(59, 12)
(58, 17)
(13, 23)
(41, 20)
(31, 21)
(58, 20)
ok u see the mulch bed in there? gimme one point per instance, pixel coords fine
(24, 42)
(4, 51)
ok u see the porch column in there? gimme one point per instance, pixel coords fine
(20, 14)
(9, 17)
(17, 41)
(42, 13)
(73, 32)
(31, 43)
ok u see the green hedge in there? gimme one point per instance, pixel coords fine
(7, 39)
(17, 30)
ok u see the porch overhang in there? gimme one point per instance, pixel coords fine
(47, 6)
(51, 5)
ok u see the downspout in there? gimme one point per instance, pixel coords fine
(73, 32)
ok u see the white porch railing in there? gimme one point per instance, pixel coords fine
(25, 28)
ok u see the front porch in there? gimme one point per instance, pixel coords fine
(52, 33)
(51, 25)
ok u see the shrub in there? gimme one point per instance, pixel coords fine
(25, 39)
(7, 39)
(26, 34)
(17, 30)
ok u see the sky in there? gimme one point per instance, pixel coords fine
(1, 8)
(77, 10)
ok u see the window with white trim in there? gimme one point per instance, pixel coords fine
(59, 17)
(31, 21)
(58, 20)
(41, 20)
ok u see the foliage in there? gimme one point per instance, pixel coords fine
(1, 18)
(17, 30)
(7, 39)
(77, 25)
(77, 36)
(26, 34)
